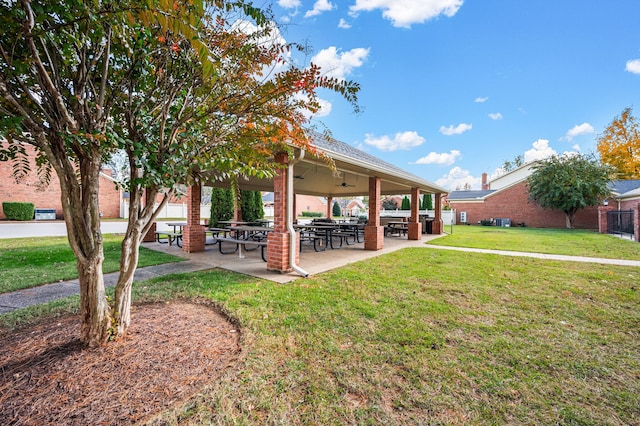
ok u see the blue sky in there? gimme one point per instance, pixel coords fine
(453, 88)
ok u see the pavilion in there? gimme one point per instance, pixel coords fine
(356, 173)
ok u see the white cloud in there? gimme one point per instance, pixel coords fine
(495, 116)
(320, 6)
(404, 13)
(288, 4)
(540, 151)
(404, 141)
(578, 130)
(344, 24)
(458, 178)
(334, 63)
(458, 130)
(445, 159)
(633, 66)
(481, 100)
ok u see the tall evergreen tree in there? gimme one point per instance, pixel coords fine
(337, 211)
(221, 206)
(406, 204)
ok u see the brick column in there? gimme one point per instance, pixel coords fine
(278, 239)
(602, 218)
(151, 235)
(636, 223)
(437, 225)
(373, 232)
(329, 207)
(193, 236)
(414, 226)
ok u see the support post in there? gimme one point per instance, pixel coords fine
(373, 232)
(193, 236)
(414, 226)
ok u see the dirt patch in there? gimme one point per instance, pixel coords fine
(171, 351)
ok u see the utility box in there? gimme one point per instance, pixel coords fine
(45, 214)
(463, 217)
(505, 222)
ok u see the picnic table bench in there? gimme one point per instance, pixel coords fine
(164, 237)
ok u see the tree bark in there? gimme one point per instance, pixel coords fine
(94, 309)
(140, 219)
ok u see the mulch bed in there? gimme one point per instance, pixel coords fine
(172, 350)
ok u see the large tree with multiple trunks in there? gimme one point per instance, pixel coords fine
(179, 87)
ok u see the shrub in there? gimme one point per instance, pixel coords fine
(311, 214)
(18, 211)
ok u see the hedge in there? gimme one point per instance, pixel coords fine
(18, 211)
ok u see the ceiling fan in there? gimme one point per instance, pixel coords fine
(344, 183)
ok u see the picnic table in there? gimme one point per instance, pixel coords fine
(242, 237)
(164, 237)
(396, 228)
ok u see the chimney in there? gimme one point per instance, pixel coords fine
(107, 172)
(485, 185)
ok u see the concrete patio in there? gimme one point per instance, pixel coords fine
(311, 261)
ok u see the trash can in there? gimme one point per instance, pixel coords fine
(45, 214)
(428, 226)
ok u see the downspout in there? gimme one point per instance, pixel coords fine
(292, 232)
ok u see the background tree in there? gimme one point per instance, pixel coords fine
(510, 165)
(336, 210)
(221, 206)
(406, 203)
(569, 183)
(177, 86)
(251, 206)
(427, 202)
(619, 145)
(389, 204)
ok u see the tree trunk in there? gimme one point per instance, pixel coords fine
(94, 309)
(140, 219)
(569, 219)
(128, 265)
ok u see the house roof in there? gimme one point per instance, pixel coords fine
(620, 187)
(470, 195)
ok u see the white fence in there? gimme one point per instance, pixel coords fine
(447, 215)
(170, 211)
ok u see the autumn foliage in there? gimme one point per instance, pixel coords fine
(619, 145)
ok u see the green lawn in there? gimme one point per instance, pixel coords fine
(28, 262)
(420, 337)
(551, 241)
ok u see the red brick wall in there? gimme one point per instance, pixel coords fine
(29, 190)
(628, 204)
(513, 203)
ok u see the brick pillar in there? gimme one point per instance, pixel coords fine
(636, 223)
(151, 235)
(437, 225)
(602, 218)
(193, 236)
(414, 226)
(329, 207)
(373, 232)
(278, 239)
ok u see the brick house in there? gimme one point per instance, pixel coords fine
(507, 197)
(30, 190)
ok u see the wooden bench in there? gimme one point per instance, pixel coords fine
(244, 243)
(169, 237)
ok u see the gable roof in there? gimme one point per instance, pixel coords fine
(620, 187)
(470, 195)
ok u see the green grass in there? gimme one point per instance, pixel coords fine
(422, 336)
(551, 241)
(419, 337)
(29, 262)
